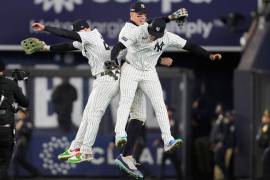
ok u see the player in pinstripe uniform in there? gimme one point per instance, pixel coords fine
(144, 46)
(105, 87)
(138, 17)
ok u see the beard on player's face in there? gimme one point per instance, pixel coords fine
(153, 38)
(138, 18)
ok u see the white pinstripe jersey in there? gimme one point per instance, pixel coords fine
(127, 29)
(143, 53)
(95, 49)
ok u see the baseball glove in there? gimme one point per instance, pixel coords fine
(32, 45)
(179, 16)
(111, 69)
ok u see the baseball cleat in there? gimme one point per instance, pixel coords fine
(80, 158)
(120, 142)
(173, 145)
(127, 165)
(68, 154)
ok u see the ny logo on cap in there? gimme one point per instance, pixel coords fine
(142, 6)
(158, 29)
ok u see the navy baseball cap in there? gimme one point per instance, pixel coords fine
(138, 7)
(79, 25)
(157, 28)
(2, 65)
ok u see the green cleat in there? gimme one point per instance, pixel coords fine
(80, 158)
(68, 154)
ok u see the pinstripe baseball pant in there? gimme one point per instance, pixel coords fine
(104, 89)
(148, 82)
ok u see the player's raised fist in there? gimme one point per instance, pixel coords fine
(38, 26)
(215, 57)
(166, 61)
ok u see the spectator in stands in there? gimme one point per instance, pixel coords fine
(263, 139)
(201, 127)
(63, 97)
(223, 143)
(266, 9)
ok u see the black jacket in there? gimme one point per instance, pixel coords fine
(10, 92)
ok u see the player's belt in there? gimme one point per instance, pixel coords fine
(99, 75)
(110, 73)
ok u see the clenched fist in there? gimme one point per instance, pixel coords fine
(215, 57)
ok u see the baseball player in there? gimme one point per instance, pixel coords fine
(144, 46)
(105, 85)
(138, 16)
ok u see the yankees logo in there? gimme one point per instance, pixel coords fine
(158, 47)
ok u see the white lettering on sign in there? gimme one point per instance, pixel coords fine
(190, 29)
(59, 5)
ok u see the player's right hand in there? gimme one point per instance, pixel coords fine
(215, 57)
(38, 27)
(166, 61)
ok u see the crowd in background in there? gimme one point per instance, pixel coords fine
(213, 143)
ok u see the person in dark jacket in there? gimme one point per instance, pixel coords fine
(223, 143)
(10, 93)
(263, 139)
(63, 97)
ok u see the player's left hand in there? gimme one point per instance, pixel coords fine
(179, 16)
(166, 61)
(32, 45)
(215, 57)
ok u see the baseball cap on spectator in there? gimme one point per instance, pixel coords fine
(79, 25)
(2, 65)
(157, 28)
(138, 7)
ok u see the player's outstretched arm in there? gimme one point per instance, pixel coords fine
(33, 45)
(62, 47)
(198, 50)
(57, 31)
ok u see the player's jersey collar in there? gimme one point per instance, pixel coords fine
(133, 22)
